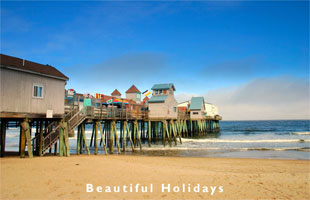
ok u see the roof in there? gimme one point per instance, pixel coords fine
(158, 99)
(146, 98)
(164, 86)
(196, 103)
(30, 67)
(183, 104)
(133, 89)
(116, 93)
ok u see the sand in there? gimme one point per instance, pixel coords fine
(52, 177)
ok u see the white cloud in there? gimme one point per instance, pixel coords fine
(262, 99)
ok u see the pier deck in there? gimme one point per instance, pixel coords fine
(117, 127)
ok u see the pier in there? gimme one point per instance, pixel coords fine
(128, 123)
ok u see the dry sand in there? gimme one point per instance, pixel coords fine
(53, 177)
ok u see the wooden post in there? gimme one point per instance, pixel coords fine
(84, 138)
(121, 134)
(26, 129)
(92, 136)
(137, 133)
(41, 139)
(124, 136)
(78, 145)
(172, 131)
(66, 137)
(111, 138)
(191, 128)
(116, 137)
(3, 134)
(22, 141)
(129, 134)
(81, 139)
(61, 140)
(102, 137)
(149, 133)
(95, 128)
(168, 133)
(164, 133)
(55, 149)
(156, 132)
(133, 131)
(179, 133)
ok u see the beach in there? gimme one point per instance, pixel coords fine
(53, 177)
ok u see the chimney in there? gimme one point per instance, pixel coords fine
(23, 62)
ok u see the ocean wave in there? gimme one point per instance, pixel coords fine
(301, 133)
(244, 141)
(305, 149)
(254, 130)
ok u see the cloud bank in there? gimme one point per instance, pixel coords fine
(261, 99)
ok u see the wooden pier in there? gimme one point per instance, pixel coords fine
(118, 128)
(33, 96)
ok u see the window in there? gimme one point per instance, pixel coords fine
(37, 91)
(175, 109)
(195, 113)
(138, 96)
(160, 91)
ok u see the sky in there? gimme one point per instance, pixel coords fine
(250, 58)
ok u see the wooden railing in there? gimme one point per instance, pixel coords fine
(117, 113)
(76, 119)
(183, 115)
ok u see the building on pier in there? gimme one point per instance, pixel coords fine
(116, 94)
(30, 89)
(163, 103)
(197, 108)
(133, 94)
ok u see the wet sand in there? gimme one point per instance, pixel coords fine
(52, 177)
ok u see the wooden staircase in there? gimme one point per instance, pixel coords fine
(74, 119)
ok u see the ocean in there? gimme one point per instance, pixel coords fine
(274, 139)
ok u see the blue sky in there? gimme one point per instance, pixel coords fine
(202, 47)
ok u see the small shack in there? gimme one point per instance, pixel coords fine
(163, 103)
(30, 89)
(116, 94)
(197, 108)
(133, 94)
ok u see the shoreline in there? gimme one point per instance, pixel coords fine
(246, 153)
(55, 177)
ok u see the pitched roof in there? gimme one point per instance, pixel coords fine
(164, 86)
(30, 67)
(158, 99)
(146, 98)
(133, 89)
(196, 103)
(116, 93)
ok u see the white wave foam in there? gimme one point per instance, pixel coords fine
(225, 149)
(245, 141)
(301, 133)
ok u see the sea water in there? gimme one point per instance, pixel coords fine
(281, 139)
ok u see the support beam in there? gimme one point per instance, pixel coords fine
(26, 128)
(102, 137)
(3, 136)
(129, 134)
(84, 138)
(116, 137)
(149, 133)
(41, 138)
(95, 128)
